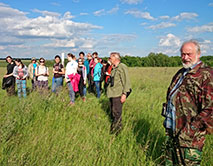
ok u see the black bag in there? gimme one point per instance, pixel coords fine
(7, 82)
(128, 93)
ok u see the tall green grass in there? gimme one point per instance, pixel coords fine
(44, 130)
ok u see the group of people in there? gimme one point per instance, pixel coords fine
(76, 73)
(18, 73)
(188, 110)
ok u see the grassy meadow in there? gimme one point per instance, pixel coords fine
(44, 130)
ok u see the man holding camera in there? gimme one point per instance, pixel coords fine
(117, 91)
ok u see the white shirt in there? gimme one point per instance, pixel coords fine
(71, 68)
(42, 70)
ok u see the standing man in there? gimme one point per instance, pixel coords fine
(188, 111)
(117, 90)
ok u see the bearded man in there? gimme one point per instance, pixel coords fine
(188, 110)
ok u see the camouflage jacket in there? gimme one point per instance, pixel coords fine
(194, 105)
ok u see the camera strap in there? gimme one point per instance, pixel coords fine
(115, 71)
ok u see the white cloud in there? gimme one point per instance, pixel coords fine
(46, 13)
(185, 16)
(143, 23)
(84, 14)
(203, 28)
(2, 47)
(79, 43)
(104, 12)
(68, 16)
(61, 43)
(50, 25)
(88, 44)
(114, 42)
(211, 4)
(118, 37)
(99, 12)
(162, 25)
(205, 46)
(113, 10)
(51, 33)
(55, 4)
(164, 17)
(10, 40)
(7, 12)
(20, 32)
(170, 40)
(169, 44)
(139, 14)
(131, 1)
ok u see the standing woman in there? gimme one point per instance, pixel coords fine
(31, 72)
(20, 73)
(97, 76)
(9, 80)
(82, 71)
(42, 74)
(58, 70)
(71, 70)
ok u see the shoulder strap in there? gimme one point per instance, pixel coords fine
(37, 69)
(45, 70)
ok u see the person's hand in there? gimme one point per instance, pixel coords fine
(66, 80)
(123, 98)
(85, 82)
(107, 74)
(5, 76)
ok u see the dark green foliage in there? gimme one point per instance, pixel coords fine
(152, 60)
(159, 60)
(207, 59)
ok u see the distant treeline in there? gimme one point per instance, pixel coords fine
(159, 60)
(152, 60)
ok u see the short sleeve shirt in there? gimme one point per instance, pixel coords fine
(58, 67)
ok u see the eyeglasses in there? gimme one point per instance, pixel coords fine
(41, 61)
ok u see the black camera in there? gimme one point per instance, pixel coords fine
(111, 81)
(163, 113)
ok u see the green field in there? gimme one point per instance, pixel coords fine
(45, 130)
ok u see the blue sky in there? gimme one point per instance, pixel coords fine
(44, 28)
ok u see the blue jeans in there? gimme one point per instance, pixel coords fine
(71, 92)
(98, 91)
(21, 85)
(85, 90)
(56, 83)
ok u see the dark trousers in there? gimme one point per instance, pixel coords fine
(33, 81)
(11, 90)
(116, 112)
(90, 83)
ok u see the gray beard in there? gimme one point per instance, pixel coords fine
(186, 66)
